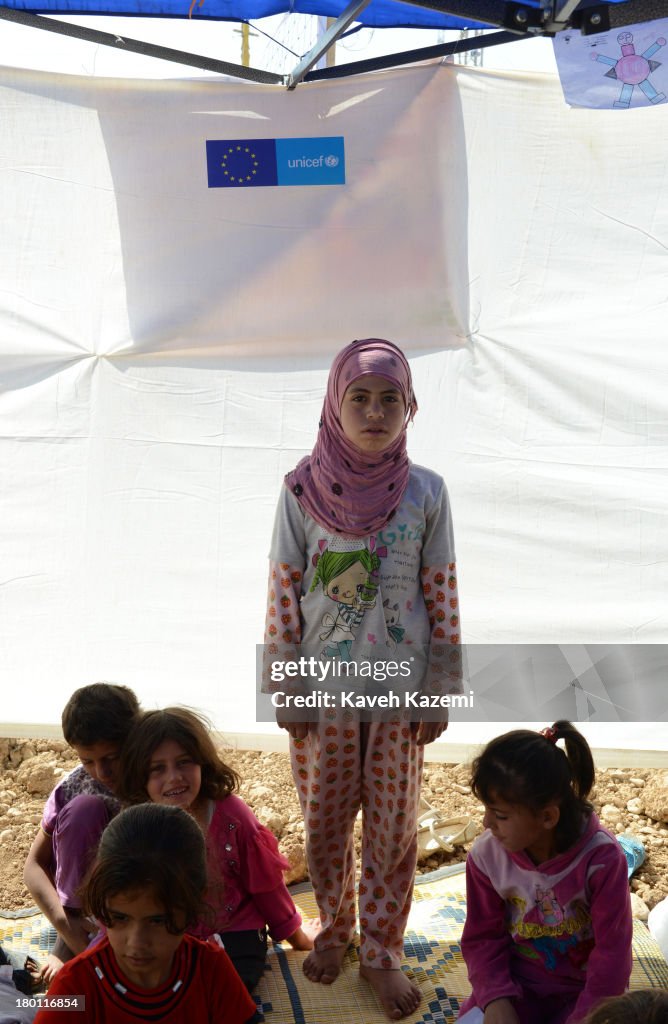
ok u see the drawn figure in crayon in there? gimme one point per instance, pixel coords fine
(548, 907)
(346, 579)
(633, 69)
(395, 632)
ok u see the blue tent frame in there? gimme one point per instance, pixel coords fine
(514, 20)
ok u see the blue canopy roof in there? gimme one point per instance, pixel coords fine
(378, 14)
(515, 20)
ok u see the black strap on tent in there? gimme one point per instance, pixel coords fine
(360, 67)
(138, 46)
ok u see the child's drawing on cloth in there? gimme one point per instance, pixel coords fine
(632, 69)
(630, 77)
(346, 579)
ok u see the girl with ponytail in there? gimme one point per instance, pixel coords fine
(548, 928)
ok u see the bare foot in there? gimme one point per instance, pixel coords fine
(398, 996)
(324, 966)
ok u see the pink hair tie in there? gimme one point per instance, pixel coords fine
(550, 734)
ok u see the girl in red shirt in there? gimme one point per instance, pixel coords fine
(146, 888)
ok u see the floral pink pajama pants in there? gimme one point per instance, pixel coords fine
(342, 765)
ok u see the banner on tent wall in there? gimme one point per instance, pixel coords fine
(254, 163)
(614, 70)
(140, 244)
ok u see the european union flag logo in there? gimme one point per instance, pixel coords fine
(240, 163)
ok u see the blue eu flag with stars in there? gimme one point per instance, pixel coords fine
(241, 163)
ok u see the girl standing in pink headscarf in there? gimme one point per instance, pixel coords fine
(362, 569)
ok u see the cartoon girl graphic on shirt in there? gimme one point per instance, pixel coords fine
(549, 910)
(346, 578)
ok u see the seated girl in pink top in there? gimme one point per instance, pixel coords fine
(548, 919)
(170, 759)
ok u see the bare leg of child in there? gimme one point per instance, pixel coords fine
(398, 996)
(324, 966)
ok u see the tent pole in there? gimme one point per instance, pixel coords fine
(334, 32)
(561, 18)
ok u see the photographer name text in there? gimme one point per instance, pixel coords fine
(370, 701)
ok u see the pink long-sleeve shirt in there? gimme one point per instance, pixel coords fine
(245, 867)
(562, 928)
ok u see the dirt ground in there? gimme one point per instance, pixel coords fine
(626, 799)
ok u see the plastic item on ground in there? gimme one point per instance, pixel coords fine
(634, 851)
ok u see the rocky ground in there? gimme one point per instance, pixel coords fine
(631, 800)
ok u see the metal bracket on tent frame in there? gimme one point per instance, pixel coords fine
(127, 45)
(327, 39)
(604, 17)
(561, 16)
(515, 17)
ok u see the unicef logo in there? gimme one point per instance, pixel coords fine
(310, 161)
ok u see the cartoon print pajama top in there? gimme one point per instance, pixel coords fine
(349, 599)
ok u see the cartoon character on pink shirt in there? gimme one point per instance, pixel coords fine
(549, 910)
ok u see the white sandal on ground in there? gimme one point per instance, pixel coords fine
(436, 832)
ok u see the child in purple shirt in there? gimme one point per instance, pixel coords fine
(95, 720)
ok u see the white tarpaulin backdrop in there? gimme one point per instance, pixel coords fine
(163, 351)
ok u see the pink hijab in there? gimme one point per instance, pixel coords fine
(343, 488)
